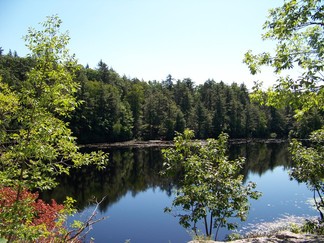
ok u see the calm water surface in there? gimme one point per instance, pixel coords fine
(136, 195)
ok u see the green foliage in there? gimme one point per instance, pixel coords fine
(14, 70)
(297, 26)
(36, 144)
(313, 227)
(102, 116)
(308, 166)
(211, 188)
(160, 113)
(233, 236)
(8, 107)
(135, 98)
(113, 108)
(124, 109)
(298, 29)
(295, 228)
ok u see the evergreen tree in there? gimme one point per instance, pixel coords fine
(103, 72)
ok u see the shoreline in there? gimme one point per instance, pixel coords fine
(279, 237)
(165, 143)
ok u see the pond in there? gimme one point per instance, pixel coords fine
(136, 195)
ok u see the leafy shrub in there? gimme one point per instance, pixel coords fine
(314, 227)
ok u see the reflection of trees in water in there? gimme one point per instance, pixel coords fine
(129, 170)
(261, 157)
(135, 170)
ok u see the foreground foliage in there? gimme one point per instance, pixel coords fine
(211, 189)
(36, 144)
(30, 218)
(308, 167)
(298, 28)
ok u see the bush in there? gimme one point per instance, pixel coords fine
(29, 217)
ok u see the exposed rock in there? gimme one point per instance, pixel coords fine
(280, 237)
(204, 241)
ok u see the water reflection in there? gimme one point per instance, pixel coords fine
(261, 157)
(136, 194)
(135, 170)
(130, 170)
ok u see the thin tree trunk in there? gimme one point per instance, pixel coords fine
(211, 224)
(318, 207)
(217, 229)
(19, 189)
(206, 226)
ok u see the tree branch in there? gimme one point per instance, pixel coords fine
(86, 225)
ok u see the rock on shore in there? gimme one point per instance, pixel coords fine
(280, 237)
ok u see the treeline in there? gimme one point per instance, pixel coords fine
(117, 108)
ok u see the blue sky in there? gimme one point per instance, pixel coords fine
(149, 39)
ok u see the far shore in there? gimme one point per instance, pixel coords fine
(165, 144)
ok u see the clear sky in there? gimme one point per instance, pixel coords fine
(149, 39)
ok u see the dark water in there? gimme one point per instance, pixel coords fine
(136, 195)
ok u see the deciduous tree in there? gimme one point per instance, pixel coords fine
(211, 189)
(36, 144)
(298, 29)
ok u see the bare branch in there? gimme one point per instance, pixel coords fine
(86, 227)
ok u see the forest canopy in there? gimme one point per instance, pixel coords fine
(116, 108)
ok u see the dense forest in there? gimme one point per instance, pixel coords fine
(116, 108)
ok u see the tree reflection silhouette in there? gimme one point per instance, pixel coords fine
(137, 169)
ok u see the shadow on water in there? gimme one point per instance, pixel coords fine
(261, 157)
(130, 170)
(135, 170)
